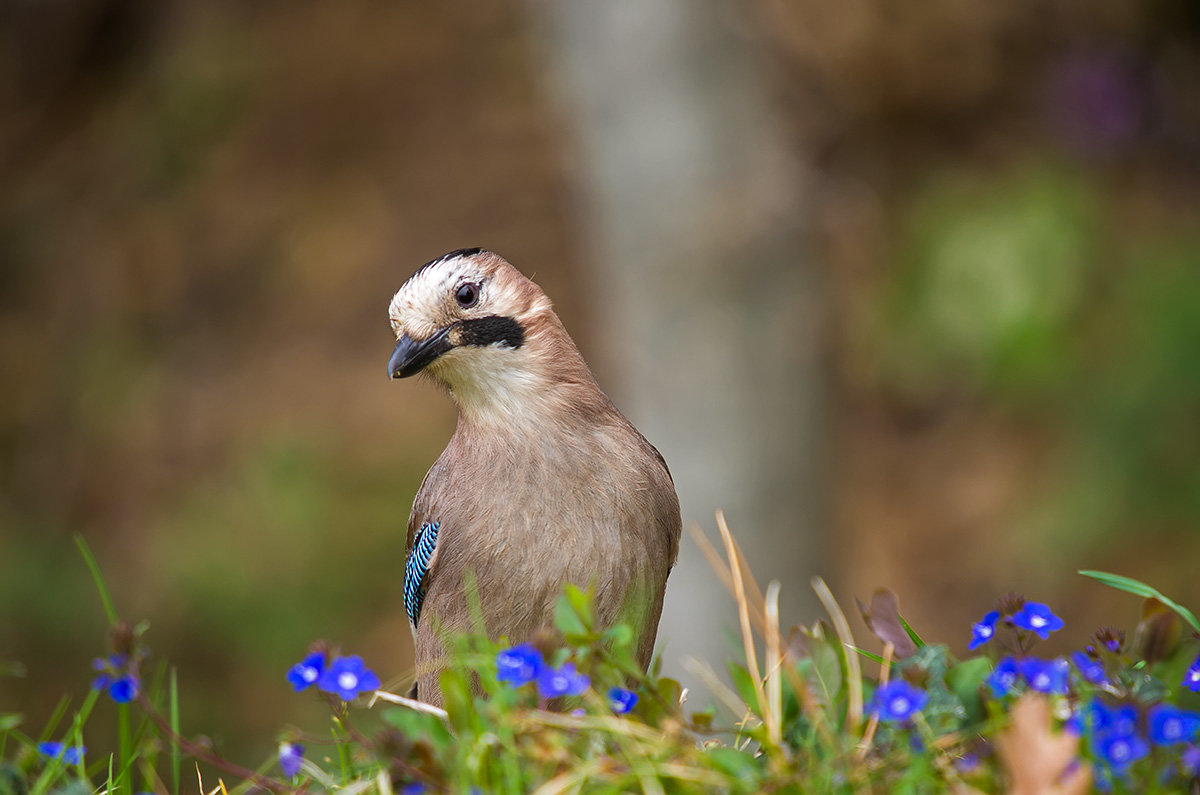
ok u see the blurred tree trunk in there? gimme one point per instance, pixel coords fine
(701, 289)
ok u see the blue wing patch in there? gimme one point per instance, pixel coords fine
(416, 567)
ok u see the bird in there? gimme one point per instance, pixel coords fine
(543, 482)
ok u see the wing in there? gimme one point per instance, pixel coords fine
(421, 555)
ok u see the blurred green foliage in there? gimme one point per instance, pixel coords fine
(1025, 288)
(993, 269)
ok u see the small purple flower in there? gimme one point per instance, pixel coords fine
(1004, 677)
(519, 665)
(1090, 668)
(1191, 679)
(564, 681)
(1170, 725)
(305, 673)
(1189, 760)
(347, 677)
(621, 700)
(1037, 618)
(1046, 676)
(68, 755)
(290, 757)
(983, 630)
(897, 701)
(1120, 750)
(415, 788)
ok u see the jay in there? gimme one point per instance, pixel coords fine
(543, 483)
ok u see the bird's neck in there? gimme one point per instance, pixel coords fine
(524, 393)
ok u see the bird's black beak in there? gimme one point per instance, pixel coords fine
(412, 356)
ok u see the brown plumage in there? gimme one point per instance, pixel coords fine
(543, 482)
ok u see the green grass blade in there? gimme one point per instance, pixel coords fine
(173, 717)
(125, 746)
(94, 568)
(1139, 588)
(872, 657)
(912, 633)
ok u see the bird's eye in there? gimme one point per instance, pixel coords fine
(467, 295)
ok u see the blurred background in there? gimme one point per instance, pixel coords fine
(913, 293)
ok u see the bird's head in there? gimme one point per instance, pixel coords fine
(474, 323)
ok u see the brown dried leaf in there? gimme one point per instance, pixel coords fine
(1159, 631)
(797, 644)
(1037, 758)
(883, 619)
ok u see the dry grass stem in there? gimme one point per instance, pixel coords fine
(774, 663)
(732, 701)
(419, 706)
(723, 571)
(885, 670)
(735, 567)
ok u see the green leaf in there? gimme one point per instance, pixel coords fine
(619, 636)
(570, 615)
(11, 780)
(964, 680)
(10, 721)
(13, 668)
(1139, 588)
(457, 701)
(94, 568)
(912, 633)
(744, 685)
(412, 723)
(827, 676)
(740, 766)
(702, 720)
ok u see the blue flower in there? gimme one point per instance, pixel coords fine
(1091, 668)
(290, 757)
(124, 689)
(305, 673)
(553, 682)
(415, 788)
(1120, 750)
(898, 700)
(1100, 717)
(1170, 725)
(1004, 677)
(1037, 618)
(122, 686)
(983, 630)
(347, 677)
(69, 756)
(1046, 676)
(1191, 679)
(1076, 723)
(519, 665)
(621, 700)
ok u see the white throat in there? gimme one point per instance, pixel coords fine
(494, 386)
